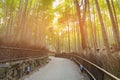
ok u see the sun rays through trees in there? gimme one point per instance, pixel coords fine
(82, 26)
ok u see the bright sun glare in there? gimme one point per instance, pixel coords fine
(56, 17)
(56, 3)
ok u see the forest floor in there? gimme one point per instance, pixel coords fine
(58, 69)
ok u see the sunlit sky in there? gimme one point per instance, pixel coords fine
(56, 17)
(56, 3)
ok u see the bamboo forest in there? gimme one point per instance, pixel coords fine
(61, 36)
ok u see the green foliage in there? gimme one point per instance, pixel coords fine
(38, 16)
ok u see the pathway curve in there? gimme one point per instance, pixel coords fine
(58, 69)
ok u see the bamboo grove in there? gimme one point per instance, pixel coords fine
(90, 27)
(85, 23)
(83, 26)
(23, 22)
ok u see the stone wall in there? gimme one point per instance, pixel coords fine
(17, 69)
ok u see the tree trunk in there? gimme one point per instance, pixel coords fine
(104, 34)
(81, 24)
(69, 48)
(91, 27)
(114, 25)
(74, 33)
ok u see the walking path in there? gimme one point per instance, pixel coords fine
(58, 69)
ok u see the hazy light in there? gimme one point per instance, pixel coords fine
(56, 17)
(1, 21)
(67, 29)
(56, 3)
(60, 33)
